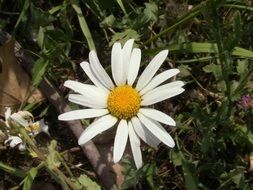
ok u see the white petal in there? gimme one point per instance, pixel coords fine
(151, 69)
(157, 131)
(98, 126)
(159, 79)
(88, 90)
(44, 127)
(144, 133)
(127, 49)
(158, 116)
(135, 146)
(84, 88)
(14, 141)
(134, 66)
(158, 97)
(87, 69)
(120, 141)
(117, 64)
(99, 71)
(126, 55)
(7, 113)
(82, 114)
(19, 119)
(87, 101)
(162, 92)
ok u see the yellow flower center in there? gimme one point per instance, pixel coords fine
(124, 102)
(35, 128)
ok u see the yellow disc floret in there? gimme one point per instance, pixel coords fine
(124, 102)
(34, 128)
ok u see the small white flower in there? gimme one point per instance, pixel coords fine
(124, 103)
(26, 120)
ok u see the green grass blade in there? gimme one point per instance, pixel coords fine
(198, 59)
(122, 6)
(238, 51)
(199, 47)
(22, 14)
(40, 68)
(11, 170)
(83, 25)
(28, 181)
(244, 7)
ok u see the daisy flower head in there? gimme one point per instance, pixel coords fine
(124, 101)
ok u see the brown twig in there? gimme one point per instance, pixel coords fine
(89, 149)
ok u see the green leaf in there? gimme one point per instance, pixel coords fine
(246, 132)
(108, 21)
(30, 178)
(184, 70)
(52, 158)
(189, 171)
(41, 37)
(124, 36)
(39, 17)
(176, 158)
(55, 9)
(39, 70)
(150, 13)
(239, 179)
(88, 183)
(133, 176)
(242, 67)
(83, 25)
(215, 69)
(244, 71)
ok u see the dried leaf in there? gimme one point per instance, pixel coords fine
(15, 84)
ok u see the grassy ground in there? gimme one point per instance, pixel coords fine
(209, 41)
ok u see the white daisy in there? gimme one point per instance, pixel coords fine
(24, 119)
(123, 103)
